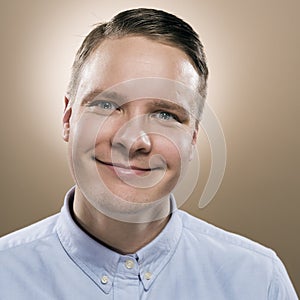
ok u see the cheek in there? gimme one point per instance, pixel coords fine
(87, 132)
(175, 149)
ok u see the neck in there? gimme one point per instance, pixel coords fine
(122, 237)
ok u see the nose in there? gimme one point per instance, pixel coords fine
(133, 138)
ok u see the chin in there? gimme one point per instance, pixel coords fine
(130, 208)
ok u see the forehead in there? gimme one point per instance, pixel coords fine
(139, 68)
(126, 59)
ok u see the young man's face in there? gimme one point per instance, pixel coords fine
(133, 122)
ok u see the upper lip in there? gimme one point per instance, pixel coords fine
(123, 166)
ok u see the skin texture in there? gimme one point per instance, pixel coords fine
(137, 147)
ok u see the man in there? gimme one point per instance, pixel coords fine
(131, 121)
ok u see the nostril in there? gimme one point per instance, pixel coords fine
(132, 143)
(133, 136)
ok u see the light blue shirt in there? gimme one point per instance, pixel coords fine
(190, 259)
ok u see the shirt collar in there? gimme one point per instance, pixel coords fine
(99, 262)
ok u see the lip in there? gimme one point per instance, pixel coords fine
(125, 170)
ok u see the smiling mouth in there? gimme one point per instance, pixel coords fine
(124, 169)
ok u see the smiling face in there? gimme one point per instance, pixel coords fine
(132, 127)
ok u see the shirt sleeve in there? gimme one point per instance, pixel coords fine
(281, 287)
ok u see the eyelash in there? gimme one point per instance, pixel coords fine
(116, 107)
(171, 115)
(97, 102)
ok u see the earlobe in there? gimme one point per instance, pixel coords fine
(195, 136)
(194, 144)
(66, 132)
(192, 153)
(66, 120)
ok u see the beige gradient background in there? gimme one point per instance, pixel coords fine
(253, 52)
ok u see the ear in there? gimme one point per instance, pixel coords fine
(66, 120)
(195, 133)
(195, 136)
(194, 142)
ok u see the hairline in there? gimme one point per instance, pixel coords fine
(158, 39)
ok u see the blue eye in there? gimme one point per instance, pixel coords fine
(103, 105)
(107, 105)
(166, 116)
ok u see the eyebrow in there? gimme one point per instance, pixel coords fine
(169, 105)
(122, 99)
(109, 95)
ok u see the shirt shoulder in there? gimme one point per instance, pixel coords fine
(237, 258)
(200, 230)
(29, 234)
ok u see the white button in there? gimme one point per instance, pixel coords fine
(104, 279)
(129, 264)
(148, 275)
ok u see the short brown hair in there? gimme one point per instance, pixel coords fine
(153, 24)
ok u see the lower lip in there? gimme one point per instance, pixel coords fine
(126, 172)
